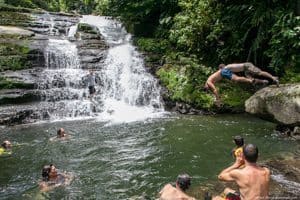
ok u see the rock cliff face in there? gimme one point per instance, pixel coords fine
(278, 104)
(24, 37)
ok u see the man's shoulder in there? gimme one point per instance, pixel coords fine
(167, 187)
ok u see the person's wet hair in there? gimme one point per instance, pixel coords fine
(45, 172)
(184, 181)
(239, 141)
(6, 144)
(250, 152)
(60, 132)
(221, 66)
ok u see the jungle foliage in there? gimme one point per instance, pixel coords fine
(189, 38)
(82, 6)
(209, 32)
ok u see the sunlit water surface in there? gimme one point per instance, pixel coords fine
(123, 161)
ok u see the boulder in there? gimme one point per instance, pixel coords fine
(277, 104)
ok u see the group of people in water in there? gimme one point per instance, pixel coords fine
(252, 180)
(51, 177)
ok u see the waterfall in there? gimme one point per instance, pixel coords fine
(62, 81)
(126, 92)
(129, 92)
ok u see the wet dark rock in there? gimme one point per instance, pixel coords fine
(18, 96)
(288, 132)
(92, 48)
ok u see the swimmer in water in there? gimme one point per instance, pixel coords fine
(52, 178)
(61, 134)
(5, 148)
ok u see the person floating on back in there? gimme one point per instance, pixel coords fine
(52, 178)
(252, 180)
(5, 148)
(169, 192)
(229, 71)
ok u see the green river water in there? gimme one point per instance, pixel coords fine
(123, 161)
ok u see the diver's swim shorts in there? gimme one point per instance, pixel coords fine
(226, 73)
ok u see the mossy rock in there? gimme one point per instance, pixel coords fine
(86, 28)
(14, 57)
(14, 18)
(7, 49)
(19, 99)
(10, 84)
(10, 8)
(15, 62)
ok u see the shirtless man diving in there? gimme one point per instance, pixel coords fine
(252, 180)
(229, 71)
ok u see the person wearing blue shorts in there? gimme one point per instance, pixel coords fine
(228, 72)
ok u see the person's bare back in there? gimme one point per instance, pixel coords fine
(171, 193)
(253, 182)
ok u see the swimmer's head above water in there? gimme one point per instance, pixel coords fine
(49, 172)
(61, 133)
(239, 141)
(6, 145)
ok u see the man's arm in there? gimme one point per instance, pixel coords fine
(213, 89)
(229, 174)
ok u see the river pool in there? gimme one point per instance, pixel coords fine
(128, 160)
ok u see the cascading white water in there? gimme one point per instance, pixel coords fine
(129, 92)
(72, 31)
(62, 82)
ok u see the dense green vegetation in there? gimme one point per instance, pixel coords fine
(13, 56)
(191, 37)
(83, 6)
(186, 39)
